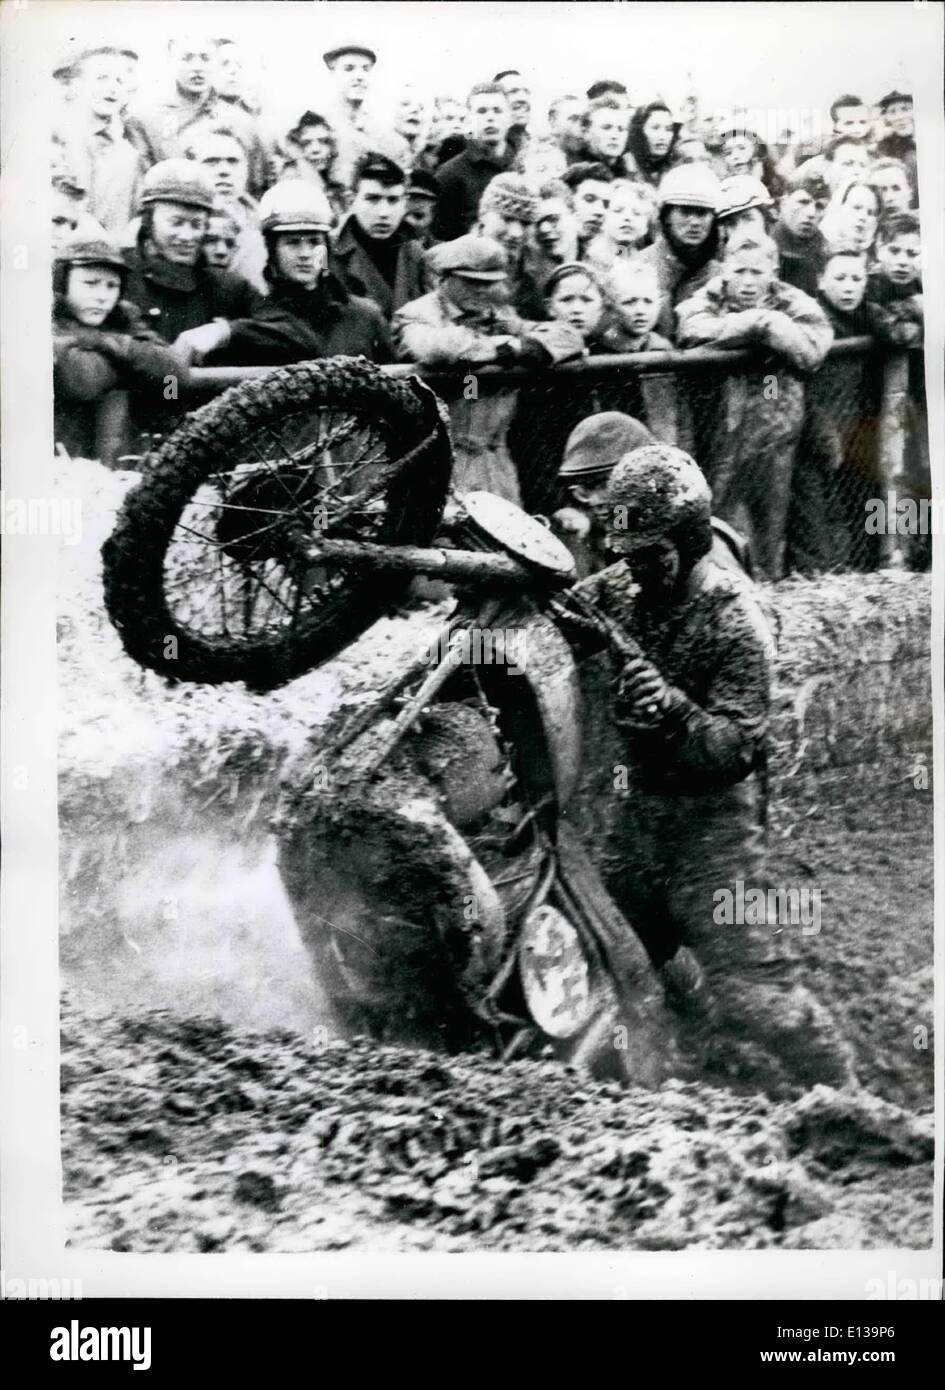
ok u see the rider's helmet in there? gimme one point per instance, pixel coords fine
(689, 185)
(659, 493)
(177, 181)
(294, 205)
(597, 444)
(740, 193)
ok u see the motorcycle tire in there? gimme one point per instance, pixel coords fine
(272, 615)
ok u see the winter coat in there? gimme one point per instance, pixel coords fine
(435, 333)
(165, 129)
(354, 267)
(88, 363)
(103, 162)
(677, 281)
(294, 324)
(749, 430)
(801, 259)
(462, 181)
(176, 297)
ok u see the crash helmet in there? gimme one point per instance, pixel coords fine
(596, 445)
(295, 205)
(658, 492)
(689, 185)
(177, 181)
(739, 193)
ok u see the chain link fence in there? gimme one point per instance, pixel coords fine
(810, 457)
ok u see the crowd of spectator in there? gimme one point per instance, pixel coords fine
(466, 231)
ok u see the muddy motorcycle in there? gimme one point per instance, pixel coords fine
(441, 891)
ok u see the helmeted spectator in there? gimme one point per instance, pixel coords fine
(564, 125)
(90, 146)
(100, 342)
(163, 129)
(852, 215)
(313, 154)
(896, 111)
(684, 250)
(463, 179)
(802, 249)
(627, 225)
(182, 298)
(423, 191)
(890, 178)
(606, 128)
(651, 142)
(744, 202)
(590, 184)
(219, 152)
(750, 461)
(372, 254)
(68, 206)
(464, 321)
(308, 313)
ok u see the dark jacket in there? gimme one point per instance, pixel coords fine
(173, 298)
(293, 325)
(90, 362)
(462, 182)
(353, 266)
(802, 260)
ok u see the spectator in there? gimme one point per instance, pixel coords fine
(835, 469)
(163, 129)
(744, 152)
(633, 293)
(308, 313)
(554, 234)
(519, 97)
(541, 161)
(357, 130)
(463, 179)
(100, 342)
(744, 203)
(448, 137)
(590, 183)
(222, 238)
(372, 255)
(691, 149)
(422, 194)
(801, 246)
(564, 125)
(412, 124)
(845, 159)
(217, 149)
(183, 299)
(627, 225)
(685, 247)
(890, 178)
(652, 141)
(464, 322)
(90, 147)
(229, 77)
(573, 296)
(751, 459)
(606, 87)
(896, 111)
(851, 119)
(68, 204)
(852, 215)
(606, 126)
(313, 152)
(507, 211)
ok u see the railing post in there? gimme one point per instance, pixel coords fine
(892, 449)
(659, 401)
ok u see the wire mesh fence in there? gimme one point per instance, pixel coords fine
(794, 464)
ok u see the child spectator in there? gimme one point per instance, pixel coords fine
(633, 294)
(749, 454)
(222, 239)
(627, 223)
(68, 204)
(852, 215)
(890, 178)
(100, 343)
(802, 250)
(744, 203)
(685, 247)
(308, 313)
(845, 159)
(422, 194)
(744, 152)
(313, 154)
(464, 321)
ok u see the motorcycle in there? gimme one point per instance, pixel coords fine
(443, 895)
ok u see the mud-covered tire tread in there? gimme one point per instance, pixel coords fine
(133, 556)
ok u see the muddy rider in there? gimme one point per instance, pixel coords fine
(691, 708)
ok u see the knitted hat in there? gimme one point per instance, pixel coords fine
(177, 181)
(598, 443)
(510, 196)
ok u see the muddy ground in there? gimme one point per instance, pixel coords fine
(185, 1132)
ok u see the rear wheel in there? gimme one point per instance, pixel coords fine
(205, 574)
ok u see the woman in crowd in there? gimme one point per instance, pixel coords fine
(313, 154)
(744, 152)
(853, 215)
(652, 142)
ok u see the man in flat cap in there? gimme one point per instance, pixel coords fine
(90, 147)
(466, 321)
(422, 194)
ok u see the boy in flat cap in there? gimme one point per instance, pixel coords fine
(465, 321)
(422, 194)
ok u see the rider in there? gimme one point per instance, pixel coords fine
(692, 703)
